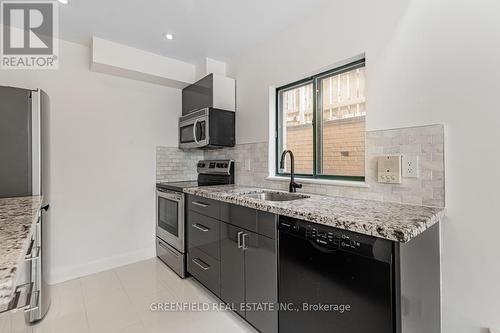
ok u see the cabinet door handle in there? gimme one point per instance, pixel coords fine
(201, 264)
(244, 246)
(200, 227)
(239, 240)
(199, 204)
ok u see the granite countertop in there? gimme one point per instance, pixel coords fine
(392, 221)
(18, 216)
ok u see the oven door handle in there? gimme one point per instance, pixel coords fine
(195, 125)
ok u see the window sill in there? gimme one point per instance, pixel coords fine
(332, 182)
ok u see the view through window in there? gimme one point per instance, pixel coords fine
(322, 121)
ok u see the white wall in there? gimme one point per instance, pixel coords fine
(103, 132)
(427, 62)
(126, 61)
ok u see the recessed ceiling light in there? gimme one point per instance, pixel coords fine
(64, 2)
(168, 36)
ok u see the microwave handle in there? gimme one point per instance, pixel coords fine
(194, 131)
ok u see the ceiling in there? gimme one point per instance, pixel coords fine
(218, 29)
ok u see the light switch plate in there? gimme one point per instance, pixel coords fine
(389, 169)
(410, 166)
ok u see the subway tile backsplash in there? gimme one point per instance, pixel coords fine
(173, 164)
(426, 142)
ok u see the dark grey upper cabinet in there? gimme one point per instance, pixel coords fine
(215, 91)
(232, 266)
(198, 95)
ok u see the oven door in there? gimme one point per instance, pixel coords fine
(193, 132)
(170, 218)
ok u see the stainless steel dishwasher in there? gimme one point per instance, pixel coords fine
(332, 280)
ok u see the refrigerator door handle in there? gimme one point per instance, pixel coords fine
(36, 143)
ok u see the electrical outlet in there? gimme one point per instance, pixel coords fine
(248, 165)
(410, 167)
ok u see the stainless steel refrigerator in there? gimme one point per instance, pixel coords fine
(24, 171)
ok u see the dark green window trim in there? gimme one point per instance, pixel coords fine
(316, 150)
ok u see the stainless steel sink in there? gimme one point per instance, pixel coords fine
(276, 196)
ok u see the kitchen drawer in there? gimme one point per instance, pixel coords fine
(205, 269)
(204, 206)
(204, 234)
(260, 222)
(170, 256)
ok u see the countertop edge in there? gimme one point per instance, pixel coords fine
(411, 231)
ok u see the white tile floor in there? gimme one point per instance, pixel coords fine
(119, 300)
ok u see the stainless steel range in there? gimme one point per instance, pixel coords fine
(170, 213)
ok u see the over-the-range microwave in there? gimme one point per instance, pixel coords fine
(207, 128)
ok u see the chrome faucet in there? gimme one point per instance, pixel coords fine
(293, 185)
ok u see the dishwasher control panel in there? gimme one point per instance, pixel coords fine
(322, 237)
(333, 238)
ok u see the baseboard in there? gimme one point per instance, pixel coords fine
(75, 271)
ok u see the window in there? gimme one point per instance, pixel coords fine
(324, 130)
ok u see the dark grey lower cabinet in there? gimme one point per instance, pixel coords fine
(236, 260)
(203, 233)
(205, 269)
(232, 273)
(261, 282)
(249, 275)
